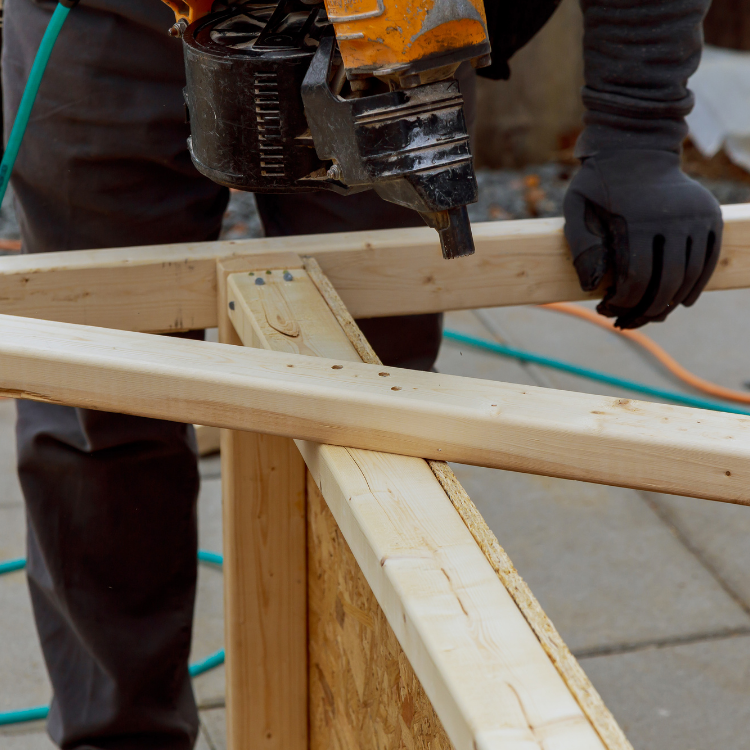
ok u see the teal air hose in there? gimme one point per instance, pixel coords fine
(11, 566)
(585, 372)
(32, 89)
(40, 712)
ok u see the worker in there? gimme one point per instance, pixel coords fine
(111, 499)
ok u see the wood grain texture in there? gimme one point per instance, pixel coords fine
(377, 273)
(357, 339)
(283, 312)
(479, 662)
(566, 664)
(265, 579)
(263, 495)
(409, 541)
(363, 691)
(614, 441)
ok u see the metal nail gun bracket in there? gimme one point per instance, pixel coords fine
(411, 146)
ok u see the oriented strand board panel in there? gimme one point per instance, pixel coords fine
(363, 691)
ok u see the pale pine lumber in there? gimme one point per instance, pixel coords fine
(363, 691)
(265, 578)
(484, 671)
(377, 273)
(566, 664)
(621, 442)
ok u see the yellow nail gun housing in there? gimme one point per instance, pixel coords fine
(407, 37)
(189, 10)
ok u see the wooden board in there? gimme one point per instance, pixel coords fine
(363, 691)
(377, 273)
(478, 660)
(601, 439)
(265, 579)
(552, 643)
(426, 571)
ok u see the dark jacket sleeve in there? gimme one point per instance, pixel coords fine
(511, 24)
(638, 56)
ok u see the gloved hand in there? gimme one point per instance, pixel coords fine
(631, 210)
(634, 213)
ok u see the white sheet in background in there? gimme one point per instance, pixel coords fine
(722, 105)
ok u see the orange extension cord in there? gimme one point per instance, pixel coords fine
(706, 386)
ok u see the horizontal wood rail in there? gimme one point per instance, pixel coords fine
(523, 428)
(377, 273)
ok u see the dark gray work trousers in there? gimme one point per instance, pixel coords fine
(111, 498)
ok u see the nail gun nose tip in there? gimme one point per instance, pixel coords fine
(456, 238)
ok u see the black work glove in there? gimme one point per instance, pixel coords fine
(634, 213)
(631, 210)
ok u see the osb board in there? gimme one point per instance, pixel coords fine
(363, 694)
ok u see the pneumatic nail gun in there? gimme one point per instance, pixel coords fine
(341, 95)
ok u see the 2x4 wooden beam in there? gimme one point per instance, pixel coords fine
(263, 485)
(600, 439)
(378, 273)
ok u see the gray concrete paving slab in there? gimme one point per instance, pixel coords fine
(209, 514)
(215, 726)
(10, 491)
(210, 467)
(23, 678)
(483, 364)
(711, 338)
(12, 532)
(208, 626)
(687, 697)
(38, 740)
(604, 567)
(580, 343)
(203, 743)
(718, 532)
